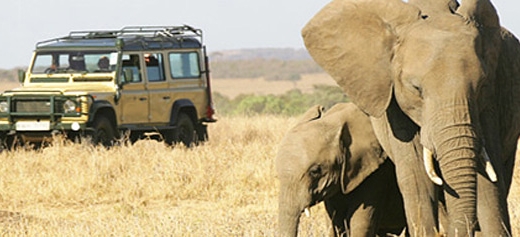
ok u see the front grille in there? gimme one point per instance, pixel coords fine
(33, 106)
(37, 106)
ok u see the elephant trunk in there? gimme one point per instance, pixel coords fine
(288, 222)
(458, 167)
(456, 147)
(289, 212)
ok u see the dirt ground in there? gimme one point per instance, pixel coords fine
(234, 87)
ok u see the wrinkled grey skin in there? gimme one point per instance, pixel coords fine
(335, 157)
(436, 75)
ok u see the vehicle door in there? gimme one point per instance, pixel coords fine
(160, 95)
(134, 96)
(186, 78)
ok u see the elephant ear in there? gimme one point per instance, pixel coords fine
(353, 41)
(315, 112)
(481, 11)
(508, 83)
(361, 153)
(484, 16)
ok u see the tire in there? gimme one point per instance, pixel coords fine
(135, 136)
(202, 133)
(104, 133)
(184, 130)
(10, 142)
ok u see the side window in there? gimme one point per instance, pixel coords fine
(131, 61)
(184, 65)
(154, 66)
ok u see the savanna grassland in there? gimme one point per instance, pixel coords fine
(226, 187)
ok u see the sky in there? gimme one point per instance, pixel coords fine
(227, 24)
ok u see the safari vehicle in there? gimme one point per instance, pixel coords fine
(106, 83)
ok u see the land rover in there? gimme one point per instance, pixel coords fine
(107, 83)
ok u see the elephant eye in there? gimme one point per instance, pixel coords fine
(418, 90)
(415, 85)
(315, 171)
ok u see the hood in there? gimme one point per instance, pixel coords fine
(64, 85)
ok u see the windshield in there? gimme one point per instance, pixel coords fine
(75, 62)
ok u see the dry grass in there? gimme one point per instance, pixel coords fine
(226, 187)
(236, 86)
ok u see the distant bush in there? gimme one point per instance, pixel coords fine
(293, 102)
(9, 75)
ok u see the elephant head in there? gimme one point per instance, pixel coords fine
(435, 61)
(323, 155)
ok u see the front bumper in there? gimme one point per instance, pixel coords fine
(41, 126)
(43, 114)
(15, 125)
(38, 132)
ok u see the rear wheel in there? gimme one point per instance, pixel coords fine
(104, 133)
(202, 133)
(184, 131)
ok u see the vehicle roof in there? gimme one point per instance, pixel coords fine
(130, 38)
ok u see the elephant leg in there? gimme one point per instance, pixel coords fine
(443, 215)
(419, 198)
(337, 210)
(419, 193)
(364, 221)
(373, 196)
(392, 220)
(359, 212)
(351, 215)
(509, 165)
(492, 212)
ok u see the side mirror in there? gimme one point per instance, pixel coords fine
(21, 75)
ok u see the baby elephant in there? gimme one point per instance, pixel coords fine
(334, 157)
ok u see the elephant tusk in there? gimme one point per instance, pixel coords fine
(428, 165)
(307, 212)
(489, 167)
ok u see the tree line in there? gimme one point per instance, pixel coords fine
(293, 102)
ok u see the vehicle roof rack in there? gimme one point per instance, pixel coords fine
(136, 32)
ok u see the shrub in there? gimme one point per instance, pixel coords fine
(293, 102)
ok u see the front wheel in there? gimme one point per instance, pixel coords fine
(104, 133)
(10, 142)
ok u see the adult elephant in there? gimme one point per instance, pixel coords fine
(440, 81)
(334, 156)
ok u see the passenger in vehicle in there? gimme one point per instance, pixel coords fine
(77, 62)
(104, 64)
(150, 60)
(154, 69)
(132, 63)
(53, 68)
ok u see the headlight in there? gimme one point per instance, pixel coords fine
(70, 106)
(4, 107)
